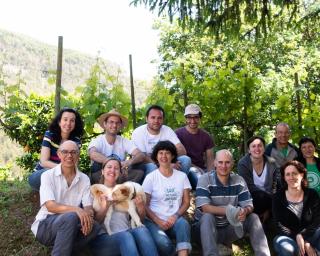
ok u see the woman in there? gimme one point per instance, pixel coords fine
(67, 125)
(168, 198)
(296, 210)
(307, 147)
(261, 176)
(124, 240)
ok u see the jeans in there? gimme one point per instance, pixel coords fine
(286, 246)
(62, 231)
(180, 231)
(211, 235)
(134, 242)
(35, 179)
(184, 160)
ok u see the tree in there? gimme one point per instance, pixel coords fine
(231, 17)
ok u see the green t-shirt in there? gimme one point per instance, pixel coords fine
(313, 176)
(284, 151)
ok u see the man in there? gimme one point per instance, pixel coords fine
(110, 144)
(65, 220)
(198, 143)
(280, 148)
(217, 192)
(147, 136)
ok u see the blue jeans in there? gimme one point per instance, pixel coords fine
(134, 242)
(35, 179)
(180, 231)
(184, 160)
(62, 231)
(286, 246)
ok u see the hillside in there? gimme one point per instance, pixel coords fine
(32, 61)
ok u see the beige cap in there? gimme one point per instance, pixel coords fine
(113, 112)
(192, 109)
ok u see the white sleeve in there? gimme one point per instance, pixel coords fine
(86, 198)
(148, 184)
(171, 135)
(95, 143)
(129, 146)
(138, 139)
(46, 188)
(186, 182)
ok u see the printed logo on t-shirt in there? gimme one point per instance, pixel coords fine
(313, 179)
(171, 195)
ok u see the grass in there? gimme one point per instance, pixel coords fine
(18, 207)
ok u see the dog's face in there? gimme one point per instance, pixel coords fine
(121, 193)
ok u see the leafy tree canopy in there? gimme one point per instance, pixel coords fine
(234, 17)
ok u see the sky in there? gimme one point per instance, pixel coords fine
(111, 28)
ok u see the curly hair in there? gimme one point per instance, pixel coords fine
(300, 168)
(54, 126)
(164, 145)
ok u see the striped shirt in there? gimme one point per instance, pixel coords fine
(211, 191)
(53, 146)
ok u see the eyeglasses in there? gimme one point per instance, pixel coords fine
(71, 152)
(193, 117)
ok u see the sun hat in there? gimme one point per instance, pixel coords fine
(113, 112)
(192, 109)
(232, 216)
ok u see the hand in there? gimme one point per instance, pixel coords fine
(125, 164)
(105, 202)
(176, 165)
(300, 242)
(171, 220)
(310, 251)
(242, 214)
(86, 220)
(138, 201)
(162, 224)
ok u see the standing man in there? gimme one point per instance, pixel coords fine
(65, 220)
(225, 207)
(198, 143)
(148, 135)
(280, 148)
(110, 144)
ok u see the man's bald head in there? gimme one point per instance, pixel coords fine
(224, 152)
(68, 153)
(68, 145)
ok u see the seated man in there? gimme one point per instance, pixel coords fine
(65, 220)
(110, 144)
(197, 142)
(217, 192)
(148, 135)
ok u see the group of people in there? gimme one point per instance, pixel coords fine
(269, 183)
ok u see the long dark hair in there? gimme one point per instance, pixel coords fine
(56, 130)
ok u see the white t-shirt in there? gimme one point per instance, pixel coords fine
(54, 187)
(146, 141)
(259, 181)
(166, 192)
(120, 148)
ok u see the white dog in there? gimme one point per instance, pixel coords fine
(123, 195)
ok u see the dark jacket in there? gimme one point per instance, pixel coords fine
(288, 223)
(272, 151)
(245, 169)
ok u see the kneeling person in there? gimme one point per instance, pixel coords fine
(224, 199)
(61, 221)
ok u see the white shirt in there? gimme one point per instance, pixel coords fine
(146, 141)
(259, 181)
(166, 192)
(120, 148)
(54, 187)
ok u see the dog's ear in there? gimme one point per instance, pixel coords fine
(125, 191)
